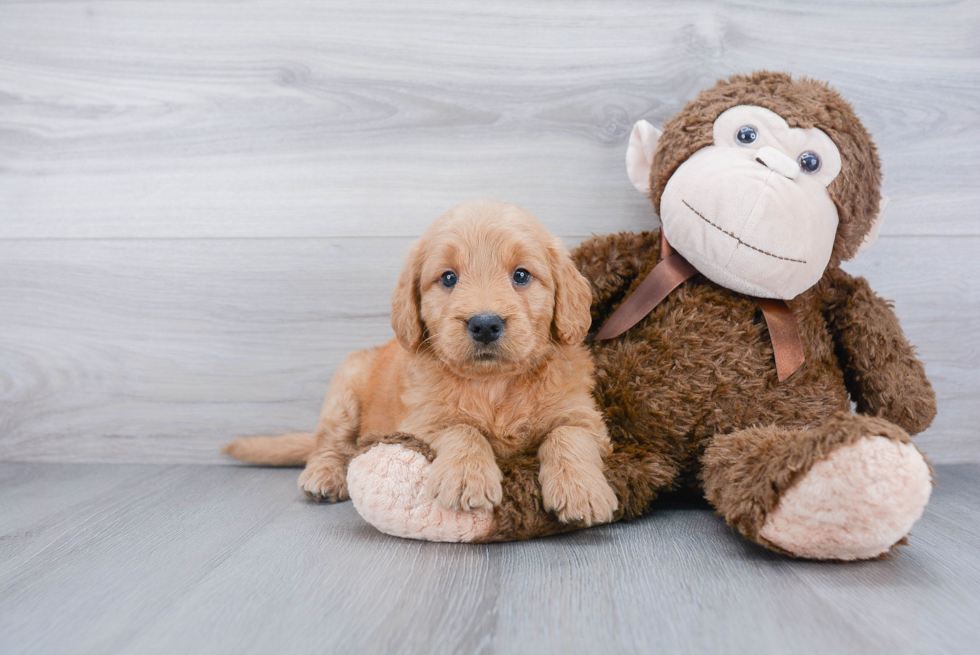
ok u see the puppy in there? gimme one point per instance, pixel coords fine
(489, 315)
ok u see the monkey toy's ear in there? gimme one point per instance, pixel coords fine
(872, 234)
(639, 155)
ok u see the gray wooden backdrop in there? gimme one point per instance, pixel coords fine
(204, 204)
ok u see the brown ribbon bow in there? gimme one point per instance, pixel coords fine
(672, 271)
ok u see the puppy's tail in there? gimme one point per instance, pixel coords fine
(285, 450)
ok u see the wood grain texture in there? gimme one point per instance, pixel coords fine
(197, 559)
(203, 205)
(181, 119)
(160, 350)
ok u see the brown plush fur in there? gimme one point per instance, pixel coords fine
(691, 394)
(529, 391)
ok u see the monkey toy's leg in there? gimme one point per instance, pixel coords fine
(848, 489)
(387, 479)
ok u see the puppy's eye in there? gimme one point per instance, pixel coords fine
(521, 277)
(809, 162)
(746, 135)
(449, 279)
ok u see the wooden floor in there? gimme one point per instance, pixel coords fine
(110, 558)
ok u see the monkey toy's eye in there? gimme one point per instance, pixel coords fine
(746, 135)
(449, 279)
(809, 162)
(521, 277)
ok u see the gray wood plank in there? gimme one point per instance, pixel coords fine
(128, 553)
(222, 559)
(174, 119)
(190, 341)
(160, 350)
(124, 123)
(34, 491)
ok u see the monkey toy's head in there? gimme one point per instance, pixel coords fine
(762, 182)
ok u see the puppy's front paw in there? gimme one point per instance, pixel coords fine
(460, 484)
(577, 494)
(324, 481)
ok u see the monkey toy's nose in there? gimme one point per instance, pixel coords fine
(777, 162)
(485, 328)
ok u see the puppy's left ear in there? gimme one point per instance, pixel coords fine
(406, 318)
(573, 297)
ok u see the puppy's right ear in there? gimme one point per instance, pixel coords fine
(406, 319)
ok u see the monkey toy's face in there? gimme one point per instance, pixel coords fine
(752, 211)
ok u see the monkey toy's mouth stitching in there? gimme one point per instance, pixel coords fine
(747, 245)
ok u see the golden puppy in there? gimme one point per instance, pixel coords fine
(489, 314)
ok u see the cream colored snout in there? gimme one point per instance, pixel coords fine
(777, 162)
(749, 223)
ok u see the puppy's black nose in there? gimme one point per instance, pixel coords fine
(485, 328)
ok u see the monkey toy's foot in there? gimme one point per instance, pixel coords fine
(856, 504)
(847, 489)
(387, 485)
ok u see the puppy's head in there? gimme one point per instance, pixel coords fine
(488, 290)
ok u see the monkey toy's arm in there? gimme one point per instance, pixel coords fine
(881, 371)
(613, 264)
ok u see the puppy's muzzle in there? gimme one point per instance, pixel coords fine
(485, 328)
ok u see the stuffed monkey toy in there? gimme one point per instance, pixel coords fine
(729, 345)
